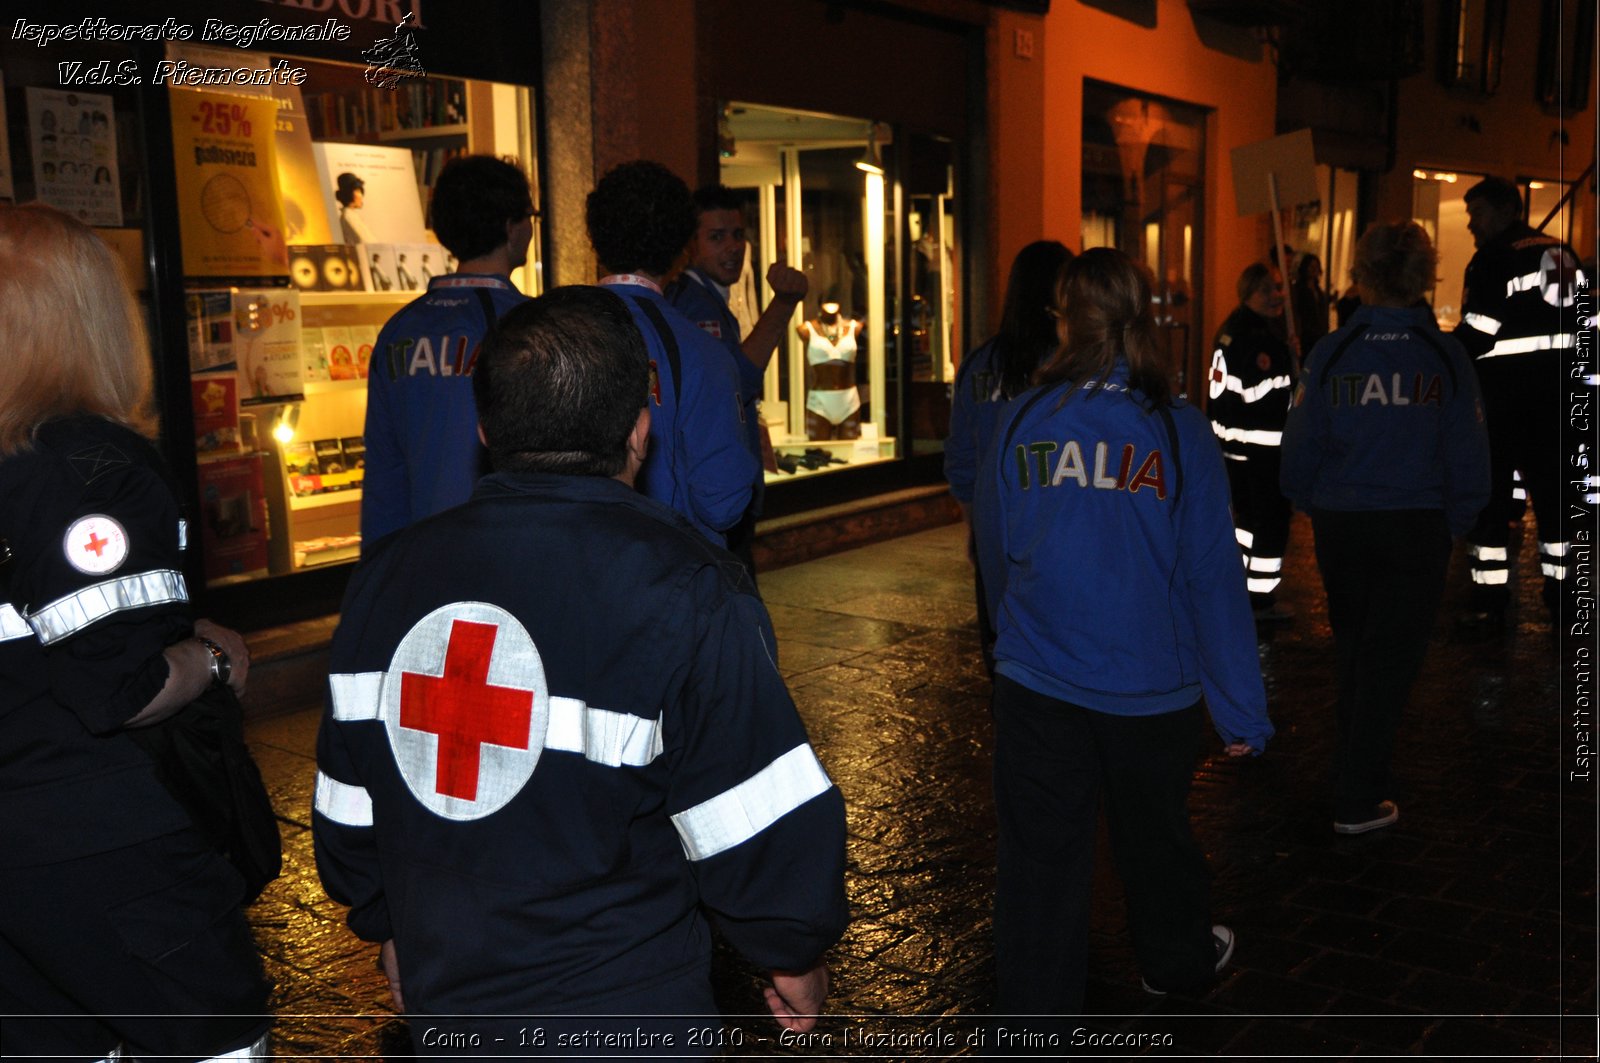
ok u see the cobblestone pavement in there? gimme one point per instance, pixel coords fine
(1468, 929)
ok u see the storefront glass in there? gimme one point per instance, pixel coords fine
(291, 269)
(861, 375)
(1144, 193)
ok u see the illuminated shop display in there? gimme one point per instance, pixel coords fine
(317, 193)
(826, 197)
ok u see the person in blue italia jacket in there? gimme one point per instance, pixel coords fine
(423, 454)
(1113, 576)
(640, 218)
(716, 261)
(1386, 448)
(995, 373)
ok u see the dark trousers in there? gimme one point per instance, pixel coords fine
(1522, 394)
(1384, 574)
(1052, 761)
(1261, 519)
(145, 946)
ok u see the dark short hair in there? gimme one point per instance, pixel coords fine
(640, 218)
(349, 184)
(1254, 276)
(473, 199)
(715, 197)
(559, 384)
(1497, 191)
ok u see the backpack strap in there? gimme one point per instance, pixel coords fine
(486, 304)
(1177, 458)
(668, 340)
(1438, 348)
(1338, 352)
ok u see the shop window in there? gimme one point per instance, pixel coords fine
(1471, 43)
(304, 229)
(1326, 227)
(862, 374)
(1144, 193)
(1566, 55)
(1437, 205)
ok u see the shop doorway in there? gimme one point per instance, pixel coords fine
(1144, 193)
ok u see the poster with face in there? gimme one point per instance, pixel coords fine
(74, 139)
(370, 193)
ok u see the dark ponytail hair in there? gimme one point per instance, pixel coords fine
(1105, 297)
(1027, 331)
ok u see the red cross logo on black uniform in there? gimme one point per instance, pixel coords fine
(464, 710)
(96, 544)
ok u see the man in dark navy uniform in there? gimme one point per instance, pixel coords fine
(557, 749)
(716, 261)
(1518, 323)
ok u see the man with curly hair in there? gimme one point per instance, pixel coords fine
(640, 218)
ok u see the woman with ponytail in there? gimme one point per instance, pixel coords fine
(1108, 554)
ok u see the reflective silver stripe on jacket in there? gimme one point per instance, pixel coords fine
(1257, 436)
(78, 610)
(12, 626)
(1259, 390)
(1524, 344)
(603, 736)
(739, 814)
(342, 802)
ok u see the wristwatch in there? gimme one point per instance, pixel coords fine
(221, 666)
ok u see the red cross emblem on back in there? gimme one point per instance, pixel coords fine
(96, 544)
(464, 709)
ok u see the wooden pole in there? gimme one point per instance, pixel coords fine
(1283, 271)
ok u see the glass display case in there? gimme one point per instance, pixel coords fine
(825, 196)
(304, 229)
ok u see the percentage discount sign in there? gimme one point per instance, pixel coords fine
(282, 312)
(224, 119)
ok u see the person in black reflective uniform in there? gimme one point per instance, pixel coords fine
(1252, 377)
(120, 926)
(1519, 325)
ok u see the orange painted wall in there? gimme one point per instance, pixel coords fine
(1169, 60)
(1016, 128)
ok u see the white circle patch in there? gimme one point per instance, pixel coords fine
(1218, 379)
(467, 709)
(95, 544)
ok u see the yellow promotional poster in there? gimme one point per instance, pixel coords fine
(299, 187)
(227, 185)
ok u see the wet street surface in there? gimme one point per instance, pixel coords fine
(1466, 930)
